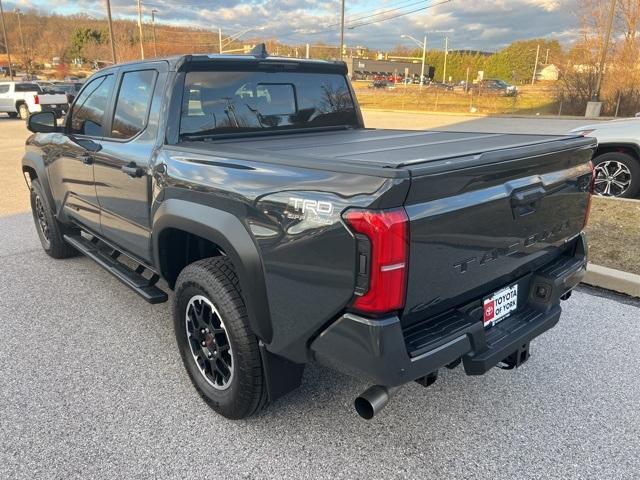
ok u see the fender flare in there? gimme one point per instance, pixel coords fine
(36, 163)
(226, 231)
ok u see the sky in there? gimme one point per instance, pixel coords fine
(470, 24)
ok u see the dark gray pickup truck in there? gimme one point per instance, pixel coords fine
(291, 233)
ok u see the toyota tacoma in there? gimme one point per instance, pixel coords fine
(291, 233)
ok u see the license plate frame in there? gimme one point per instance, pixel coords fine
(499, 305)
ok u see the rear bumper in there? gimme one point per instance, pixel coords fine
(385, 353)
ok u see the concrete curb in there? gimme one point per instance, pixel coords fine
(611, 279)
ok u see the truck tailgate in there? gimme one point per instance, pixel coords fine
(483, 221)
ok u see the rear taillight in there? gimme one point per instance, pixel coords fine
(591, 187)
(36, 99)
(383, 260)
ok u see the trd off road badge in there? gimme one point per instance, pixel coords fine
(314, 211)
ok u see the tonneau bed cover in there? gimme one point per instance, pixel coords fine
(390, 148)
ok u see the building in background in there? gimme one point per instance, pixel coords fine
(548, 72)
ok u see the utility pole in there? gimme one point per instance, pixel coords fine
(466, 82)
(605, 47)
(546, 58)
(140, 29)
(19, 14)
(342, 30)
(446, 53)
(535, 66)
(153, 29)
(6, 43)
(24, 48)
(424, 58)
(111, 40)
(220, 39)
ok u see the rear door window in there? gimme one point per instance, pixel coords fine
(132, 105)
(28, 87)
(222, 102)
(88, 112)
(4, 89)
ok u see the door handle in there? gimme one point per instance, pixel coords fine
(132, 170)
(87, 158)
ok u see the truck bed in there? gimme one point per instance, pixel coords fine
(472, 229)
(392, 149)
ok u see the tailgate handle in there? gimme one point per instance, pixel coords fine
(525, 202)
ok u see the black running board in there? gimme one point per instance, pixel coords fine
(145, 287)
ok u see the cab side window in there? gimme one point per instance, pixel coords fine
(88, 112)
(132, 106)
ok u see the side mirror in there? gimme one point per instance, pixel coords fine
(42, 122)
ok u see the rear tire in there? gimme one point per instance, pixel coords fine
(617, 175)
(23, 110)
(218, 348)
(50, 230)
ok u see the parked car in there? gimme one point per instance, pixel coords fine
(379, 84)
(69, 89)
(23, 98)
(439, 86)
(290, 233)
(495, 86)
(617, 158)
(46, 86)
(460, 86)
(5, 72)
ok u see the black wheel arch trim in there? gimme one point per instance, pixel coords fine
(35, 162)
(226, 231)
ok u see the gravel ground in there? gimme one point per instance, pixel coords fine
(93, 387)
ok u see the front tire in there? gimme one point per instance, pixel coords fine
(50, 230)
(617, 175)
(218, 348)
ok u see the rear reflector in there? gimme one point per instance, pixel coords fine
(36, 99)
(591, 187)
(387, 262)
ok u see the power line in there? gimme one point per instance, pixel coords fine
(398, 15)
(380, 12)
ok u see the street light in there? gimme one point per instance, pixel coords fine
(422, 45)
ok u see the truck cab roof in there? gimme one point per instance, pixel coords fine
(179, 62)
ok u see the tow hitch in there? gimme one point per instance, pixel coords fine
(516, 359)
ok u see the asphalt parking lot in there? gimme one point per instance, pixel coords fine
(91, 386)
